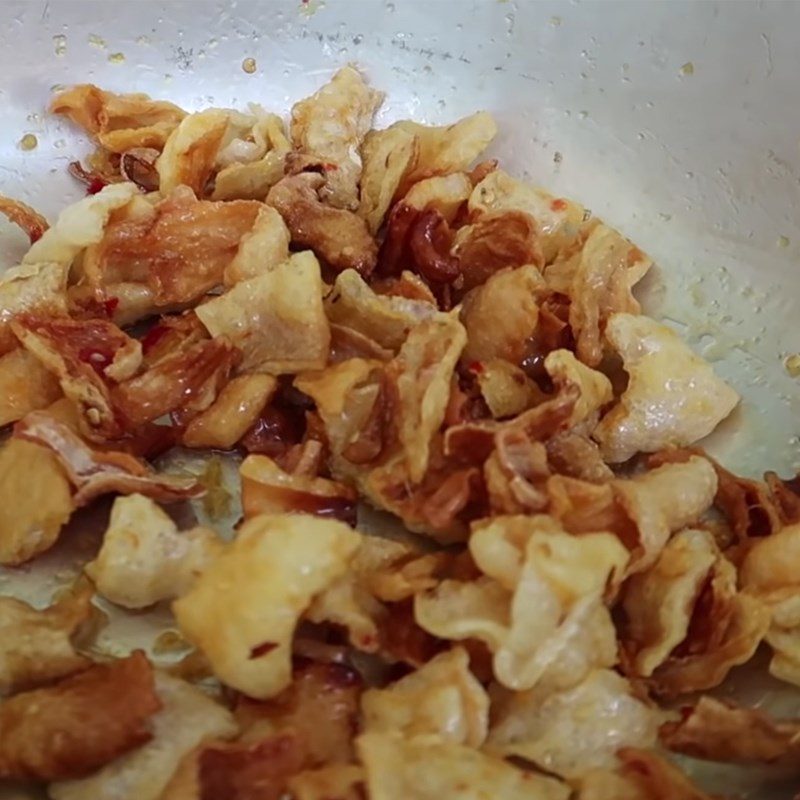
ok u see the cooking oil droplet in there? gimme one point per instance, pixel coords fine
(783, 241)
(249, 65)
(60, 44)
(687, 69)
(555, 21)
(28, 142)
(792, 365)
(583, 114)
(97, 41)
(116, 58)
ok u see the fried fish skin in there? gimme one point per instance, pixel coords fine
(79, 724)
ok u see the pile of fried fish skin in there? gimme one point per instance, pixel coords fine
(361, 317)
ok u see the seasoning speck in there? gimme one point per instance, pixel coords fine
(97, 41)
(60, 44)
(557, 157)
(249, 65)
(116, 58)
(783, 241)
(792, 365)
(28, 142)
(169, 642)
(687, 68)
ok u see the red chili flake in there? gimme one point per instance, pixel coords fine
(262, 649)
(476, 367)
(329, 167)
(34, 234)
(368, 641)
(153, 337)
(110, 305)
(95, 185)
(558, 204)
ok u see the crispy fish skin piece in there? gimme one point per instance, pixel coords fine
(606, 270)
(188, 716)
(144, 558)
(673, 397)
(492, 335)
(331, 125)
(35, 501)
(27, 288)
(720, 731)
(37, 644)
(118, 121)
(442, 697)
(93, 472)
(80, 225)
(421, 372)
(336, 235)
(80, 723)
(498, 240)
(385, 319)
(387, 155)
(190, 153)
(641, 775)
(276, 319)
(446, 148)
(187, 381)
(179, 248)
(321, 706)
(659, 603)
(235, 410)
(558, 220)
(25, 385)
(267, 489)
(572, 731)
(308, 725)
(529, 561)
(85, 356)
(277, 563)
(263, 249)
(252, 180)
